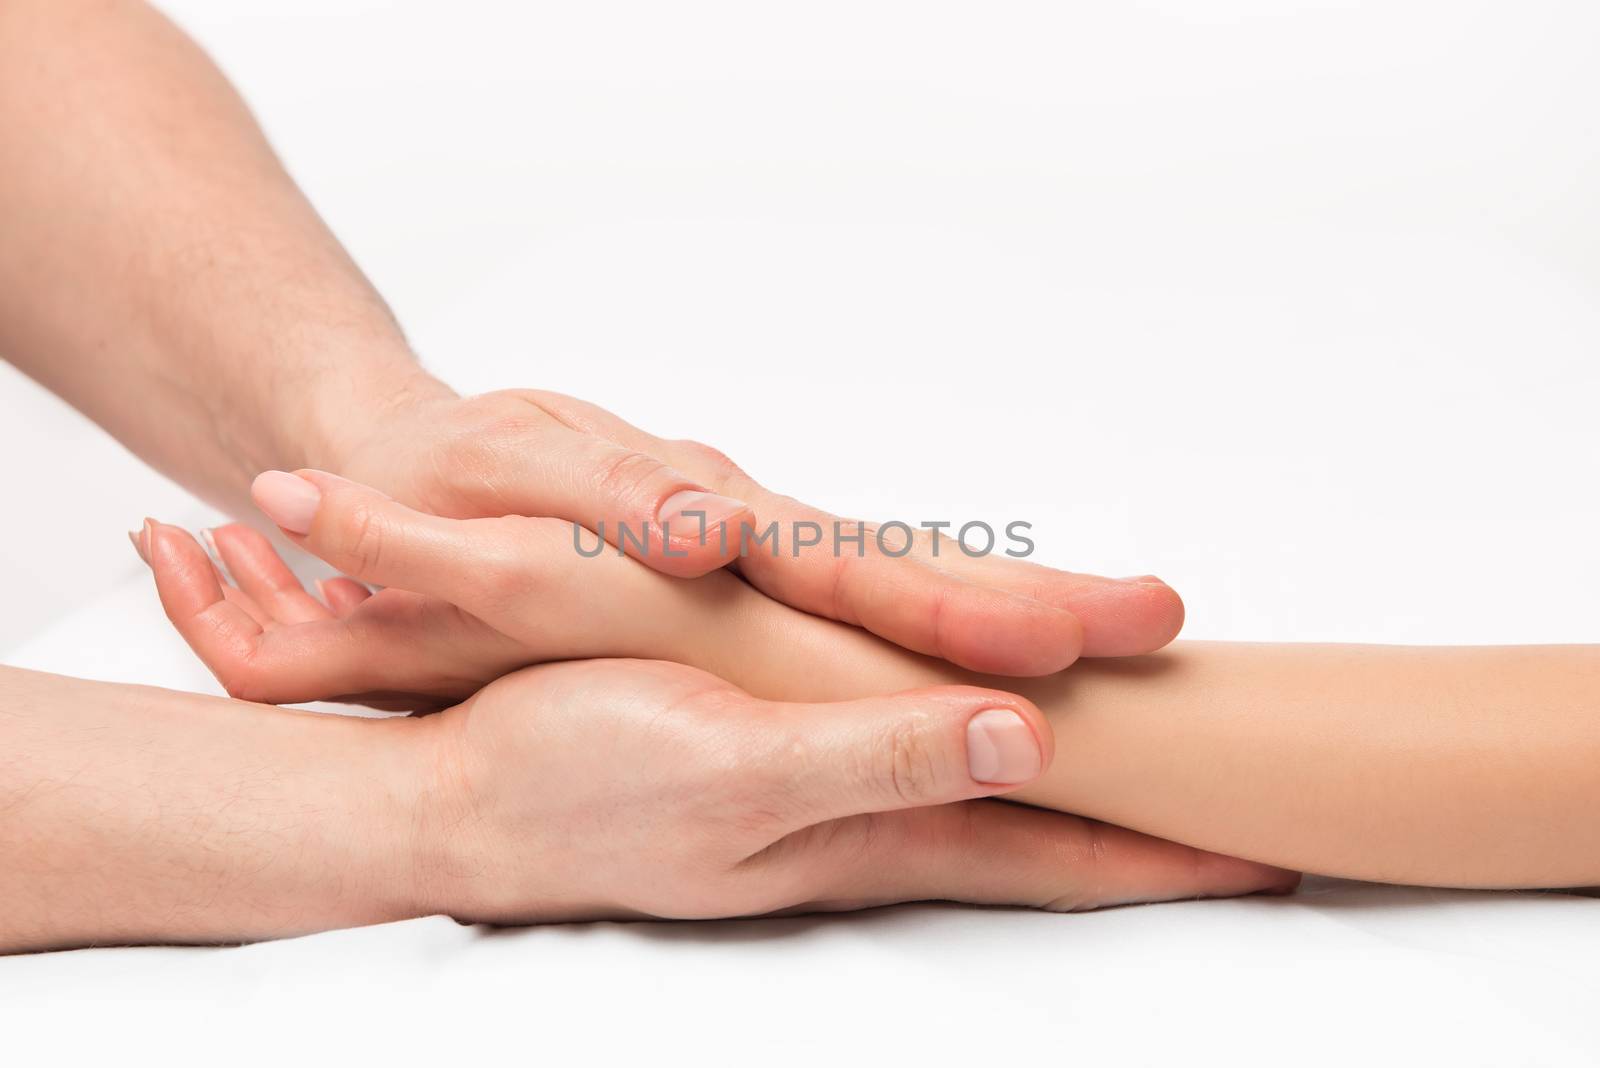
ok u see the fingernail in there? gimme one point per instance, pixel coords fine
(716, 509)
(289, 501)
(141, 541)
(1001, 747)
(209, 541)
(1143, 580)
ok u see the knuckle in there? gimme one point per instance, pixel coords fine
(845, 590)
(1082, 859)
(481, 429)
(622, 474)
(768, 800)
(568, 411)
(748, 771)
(509, 569)
(243, 682)
(708, 464)
(362, 540)
(912, 764)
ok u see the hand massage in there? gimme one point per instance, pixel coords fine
(609, 675)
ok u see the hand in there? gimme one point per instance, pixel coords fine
(467, 601)
(532, 453)
(632, 788)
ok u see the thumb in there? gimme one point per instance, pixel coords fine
(917, 748)
(378, 540)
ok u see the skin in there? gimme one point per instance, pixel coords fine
(228, 332)
(601, 789)
(161, 272)
(1461, 767)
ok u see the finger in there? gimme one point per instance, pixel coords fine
(342, 595)
(399, 650)
(943, 617)
(1114, 618)
(260, 572)
(979, 627)
(405, 652)
(948, 608)
(375, 539)
(906, 750)
(1120, 617)
(262, 618)
(221, 633)
(793, 555)
(997, 853)
(519, 575)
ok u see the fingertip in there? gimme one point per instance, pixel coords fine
(1130, 618)
(1002, 748)
(1013, 635)
(341, 594)
(688, 558)
(139, 540)
(1029, 714)
(1224, 876)
(1284, 884)
(1165, 610)
(231, 541)
(700, 532)
(289, 500)
(185, 581)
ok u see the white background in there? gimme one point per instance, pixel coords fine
(1291, 303)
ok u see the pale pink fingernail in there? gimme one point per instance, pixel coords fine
(138, 539)
(289, 500)
(1001, 747)
(208, 540)
(691, 512)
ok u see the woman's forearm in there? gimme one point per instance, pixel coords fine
(1450, 766)
(159, 269)
(1446, 766)
(130, 815)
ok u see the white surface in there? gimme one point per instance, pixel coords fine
(1291, 303)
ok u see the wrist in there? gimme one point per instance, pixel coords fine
(380, 845)
(356, 402)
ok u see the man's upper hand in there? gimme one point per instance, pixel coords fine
(535, 453)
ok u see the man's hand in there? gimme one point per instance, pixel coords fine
(525, 452)
(636, 788)
(580, 790)
(229, 333)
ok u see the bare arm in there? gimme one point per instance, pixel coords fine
(159, 269)
(1444, 766)
(162, 273)
(1475, 766)
(1466, 767)
(130, 814)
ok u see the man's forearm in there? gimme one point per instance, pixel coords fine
(160, 270)
(132, 815)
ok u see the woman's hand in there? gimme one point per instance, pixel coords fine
(468, 600)
(632, 788)
(531, 453)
